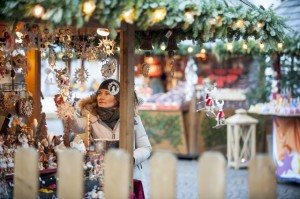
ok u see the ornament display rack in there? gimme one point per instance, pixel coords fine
(13, 87)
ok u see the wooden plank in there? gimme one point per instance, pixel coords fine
(192, 127)
(70, 174)
(163, 175)
(262, 179)
(127, 93)
(33, 81)
(116, 178)
(26, 173)
(211, 175)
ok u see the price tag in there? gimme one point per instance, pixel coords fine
(169, 33)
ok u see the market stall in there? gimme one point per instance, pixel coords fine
(67, 24)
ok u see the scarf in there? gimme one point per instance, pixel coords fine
(109, 116)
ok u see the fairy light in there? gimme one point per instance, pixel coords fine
(88, 7)
(260, 24)
(245, 46)
(190, 49)
(128, 16)
(203, 50)
(190, 16)
(159, 14)
(213, 21)
(229, 46)
(280, 46)
(38, 11)
(163, 46)
(261, 46)
(239, 23)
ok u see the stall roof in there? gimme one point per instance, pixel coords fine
(290, 9)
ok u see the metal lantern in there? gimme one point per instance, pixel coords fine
(241, 139)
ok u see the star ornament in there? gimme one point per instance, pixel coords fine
(107, 46)
(65, 111)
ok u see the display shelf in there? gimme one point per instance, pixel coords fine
(13, 87)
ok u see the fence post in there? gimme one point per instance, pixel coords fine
(163, 176)
(262, 179)
(26, 173)
(211, 175)
(70, 174)
(116, 176)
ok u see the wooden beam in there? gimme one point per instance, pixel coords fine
(127, 93)
(33, 81)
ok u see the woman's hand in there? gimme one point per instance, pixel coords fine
(58, 99)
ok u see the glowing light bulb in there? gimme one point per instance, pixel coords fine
(38, 11)
(163, 47)
(280, 46)
(128, 16)
(245, 46)
(240, 23)
(261, 45)
(260, 24)
(203, 50)
(159, 14)
(190, 49)
(229, 46)
(89, 7)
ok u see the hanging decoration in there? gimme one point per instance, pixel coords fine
(145, 69)
(109, 67)
(81, 75)
(212, 106)
(51, 58)
(107, 46)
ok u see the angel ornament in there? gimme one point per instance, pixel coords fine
(220, 117)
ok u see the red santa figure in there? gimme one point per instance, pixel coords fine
(220, 117)
(209, 102)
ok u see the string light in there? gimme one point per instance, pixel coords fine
(261, 46)
(163, 46)
(203, 50)
(260, 24)
(159, 14)
(190, 16)
(239, 23)
(88, 7)
(245, 46)
(128, 16)
(190, 49)
(280, 46)
(38, 11)
(229, 46)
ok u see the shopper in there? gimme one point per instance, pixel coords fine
(103, 108)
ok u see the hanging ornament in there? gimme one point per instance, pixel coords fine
(145, 69)
(65, 111)
(107, 46)
(51, 58)
(109, 67)
(62, 78)
(220, 117)
(81, 75)
(25, 107)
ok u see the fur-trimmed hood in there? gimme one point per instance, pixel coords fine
(88, 104)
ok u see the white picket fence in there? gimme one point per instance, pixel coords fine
(211, 175)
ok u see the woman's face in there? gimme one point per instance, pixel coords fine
(105, 99)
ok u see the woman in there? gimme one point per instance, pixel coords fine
(105, 124)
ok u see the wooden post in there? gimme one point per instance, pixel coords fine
(33, 81)
(192, 127)
(127, 93)
(262, 179)
(70, 174)
(163, 176)
(26, 173)
(116, 176)
(211, 175)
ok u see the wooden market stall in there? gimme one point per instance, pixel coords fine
(135, 21)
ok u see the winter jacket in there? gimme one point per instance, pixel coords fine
(99, 130)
